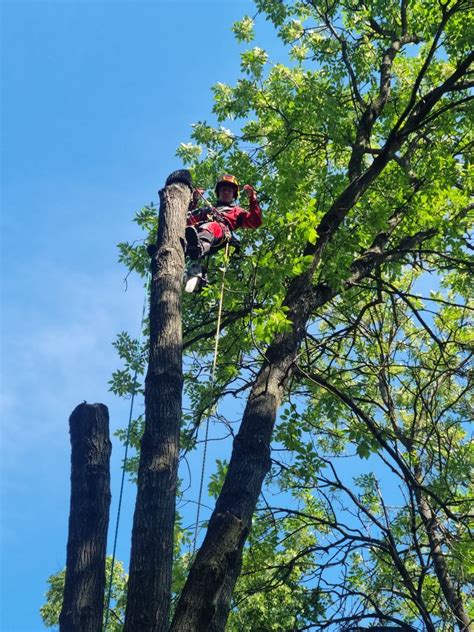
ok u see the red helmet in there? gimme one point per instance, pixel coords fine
(228, 179)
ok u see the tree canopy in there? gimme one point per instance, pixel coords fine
(345, 326)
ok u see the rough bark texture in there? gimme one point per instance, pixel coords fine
(149, 586)
(83, 602)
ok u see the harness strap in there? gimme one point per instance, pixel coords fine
(217, 214)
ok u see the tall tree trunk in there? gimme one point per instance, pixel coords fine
(149, 586)
(83, 603)
(203, 605)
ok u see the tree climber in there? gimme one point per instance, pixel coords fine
(209, 228)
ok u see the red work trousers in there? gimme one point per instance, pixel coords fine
(213, 227)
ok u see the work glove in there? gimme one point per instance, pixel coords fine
(250, 191)
(197, 197)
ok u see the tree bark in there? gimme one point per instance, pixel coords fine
(83, 603)
(149, 586)
(433, 531)
(203, 605)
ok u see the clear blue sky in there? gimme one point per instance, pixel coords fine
(96, 96)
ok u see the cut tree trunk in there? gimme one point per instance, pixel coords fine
(149, 586)
(83, 603)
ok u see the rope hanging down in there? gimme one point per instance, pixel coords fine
(124, 467)
(213, 376)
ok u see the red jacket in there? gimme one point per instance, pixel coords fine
(232, 216)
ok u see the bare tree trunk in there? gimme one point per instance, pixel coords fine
(149, 586)
(83, 602)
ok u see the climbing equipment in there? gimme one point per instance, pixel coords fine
(217, 215)
(200, 244)
(227, 178)
(124, 467)
(213, 377)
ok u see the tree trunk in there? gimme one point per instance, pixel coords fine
(149, 586)
(203, 604)
(452, 596)
(83, 602)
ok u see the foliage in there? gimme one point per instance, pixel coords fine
(271, 594)
(359, 145)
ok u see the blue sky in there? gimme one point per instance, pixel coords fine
(96, 96)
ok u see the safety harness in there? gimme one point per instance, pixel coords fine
(217, 215)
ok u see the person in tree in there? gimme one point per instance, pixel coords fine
(209, 228)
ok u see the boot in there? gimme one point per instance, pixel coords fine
(192, 242)
(206, 241)
(198, 244)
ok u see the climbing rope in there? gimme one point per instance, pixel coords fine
(213, 376)
(124, 467)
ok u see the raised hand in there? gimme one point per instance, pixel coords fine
(250, 191)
